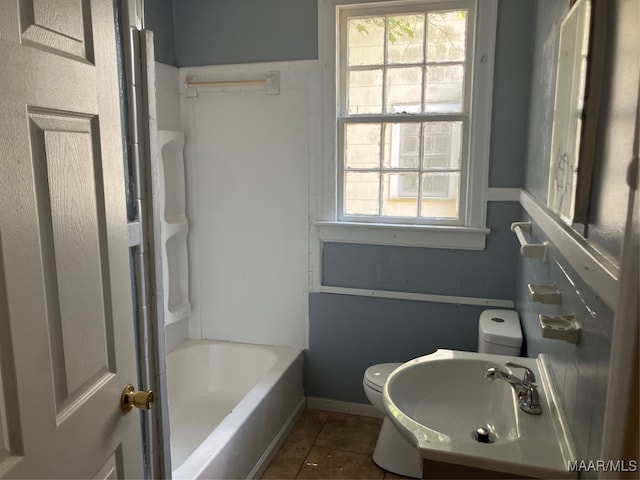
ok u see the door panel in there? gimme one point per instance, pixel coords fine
(62, 26)
(67, 346)
(66, 175)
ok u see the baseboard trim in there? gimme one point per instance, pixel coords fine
(338, 406)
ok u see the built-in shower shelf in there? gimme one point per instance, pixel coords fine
(177, 312)
(170, 229)
(174, 225)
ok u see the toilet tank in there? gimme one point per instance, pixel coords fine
(499, 332)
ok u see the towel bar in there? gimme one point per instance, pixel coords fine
(530, 250)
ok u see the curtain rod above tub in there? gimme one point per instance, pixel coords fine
(271, 80)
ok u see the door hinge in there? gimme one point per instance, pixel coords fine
(135, 233)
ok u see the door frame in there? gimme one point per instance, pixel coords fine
(137, 74)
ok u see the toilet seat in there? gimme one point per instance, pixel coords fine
(376, 375)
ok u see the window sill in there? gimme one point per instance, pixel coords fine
(427, 236)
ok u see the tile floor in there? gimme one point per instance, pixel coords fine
(329, 446)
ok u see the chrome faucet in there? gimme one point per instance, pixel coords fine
(526, 390)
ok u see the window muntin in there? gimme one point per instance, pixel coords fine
(403, 123)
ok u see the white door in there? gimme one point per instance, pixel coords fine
(66, 328)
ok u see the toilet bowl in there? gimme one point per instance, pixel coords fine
(392, 452)
(499, 332)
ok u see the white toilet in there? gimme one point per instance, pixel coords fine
(499, 332)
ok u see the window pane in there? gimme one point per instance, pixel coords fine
(362, 145)
(365, 91)
(444, 89)
(403, 90)
(440, 195)
(401, 145)
(446, 36)
(361, 193)
(406, 39)
(400, 195)
(442, 145)
(365, 41)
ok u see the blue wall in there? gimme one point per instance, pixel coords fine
(512, 79)
(234, 31)
(158, 17)
(483, 274)
(349, 333)
(580, 372)
(190, 33)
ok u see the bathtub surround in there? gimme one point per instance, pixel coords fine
(261, 243)
(248, 157)
(167, 97)
(168, 118)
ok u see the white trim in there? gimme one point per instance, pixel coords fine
(422, 297)
(481, 110)
(483, 66)
(337, 406)
(426, 236)
(326, 171)
(560, 425)
(503, 194)
(593, 267)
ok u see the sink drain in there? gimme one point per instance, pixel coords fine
(483, 435)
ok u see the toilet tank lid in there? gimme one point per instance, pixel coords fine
(377, 374)
(501, 327)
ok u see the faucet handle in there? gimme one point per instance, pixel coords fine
(528, 374)
(530, 402)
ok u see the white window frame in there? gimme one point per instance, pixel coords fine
(471, 232)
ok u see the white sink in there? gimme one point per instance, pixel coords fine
(437, 401)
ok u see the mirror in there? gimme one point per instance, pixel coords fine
(569, 110)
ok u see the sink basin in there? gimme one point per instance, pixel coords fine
(437, 402)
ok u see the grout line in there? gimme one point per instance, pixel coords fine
(313, 444)
(295, 475)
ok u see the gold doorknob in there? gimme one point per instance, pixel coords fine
(132, 398)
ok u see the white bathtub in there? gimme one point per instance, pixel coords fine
(230, 405)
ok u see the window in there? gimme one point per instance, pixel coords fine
(407, 114)
(405, 78)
